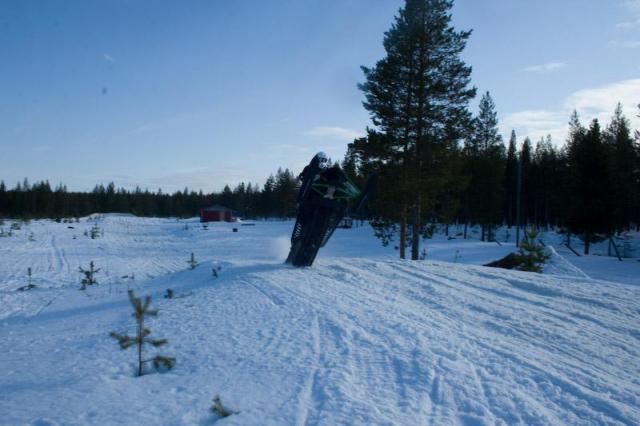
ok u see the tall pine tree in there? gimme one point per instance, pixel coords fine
(590, 204)
(417, 96)
(485, 156)
(510, 181)
(622, 168)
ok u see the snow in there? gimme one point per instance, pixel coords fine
(359, 338)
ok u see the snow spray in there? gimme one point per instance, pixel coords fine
(280, 247)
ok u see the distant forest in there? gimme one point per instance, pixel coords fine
(276, 199)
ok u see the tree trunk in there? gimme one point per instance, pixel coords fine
(140, 329)
(415, 232)
(587, 237)
(403, 233)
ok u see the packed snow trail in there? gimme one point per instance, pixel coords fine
(370, 340)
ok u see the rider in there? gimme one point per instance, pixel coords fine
(319, 167)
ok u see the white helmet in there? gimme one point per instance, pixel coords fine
(322, 159)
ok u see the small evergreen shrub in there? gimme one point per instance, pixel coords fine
(531, 256)
(220, 409)
(89, 275)
(140, 311)
(216, 271)
(94, 232)
(192, 261)
(30, 285)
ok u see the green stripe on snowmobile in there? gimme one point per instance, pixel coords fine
(346, 191)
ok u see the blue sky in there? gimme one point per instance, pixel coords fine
(208, 93)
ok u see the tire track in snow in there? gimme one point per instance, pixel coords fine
(305, 397)
(342, 368)
(273, 299)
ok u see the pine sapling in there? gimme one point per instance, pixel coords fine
(220, 409)
(192, 262)
(95, 231)
(30, 285)
(140, 311)
(215, 271)
(531, 256)
(89, 275)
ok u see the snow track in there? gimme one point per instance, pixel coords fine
(352, 340)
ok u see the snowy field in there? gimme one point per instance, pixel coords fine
(360, 338)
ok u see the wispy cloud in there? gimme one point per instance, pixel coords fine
(108, 58)
(633, 5)
(630, 25)
(628, 44)
(205, 178)
(339, 133)
(546, 68)
(598, 102)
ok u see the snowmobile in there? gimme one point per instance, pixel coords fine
(325, 197)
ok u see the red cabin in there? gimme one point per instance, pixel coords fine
(216, 213)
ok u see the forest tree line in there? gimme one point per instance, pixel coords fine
(276, 199)
(589, 186)
(439, 163)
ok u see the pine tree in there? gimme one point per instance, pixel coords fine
(544, 178)
(526, 197)
(140, 311)
(192, 262)
(89, 276)
(531, 256)
(623, 161)
(590, 196)
(637, 178)
(285, 190)
(3, 200)
(510, 181)
(219, 409)
(417, 97)
(485, 158)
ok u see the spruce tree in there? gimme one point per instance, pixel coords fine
(192, 262)
(531, 255)
(140, 311)
(485, 156)
(544, 179)
(526, 197)
(622, 167)
(590, 206)
(89, 275)
(417, 95)
(510, 181)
